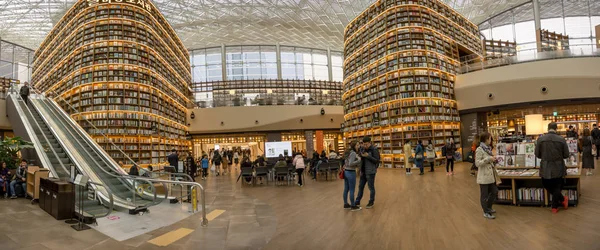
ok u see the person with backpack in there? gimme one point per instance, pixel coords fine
(351, 164)
(370, 162)
(217, 162)
(419, 157)
(448, 152)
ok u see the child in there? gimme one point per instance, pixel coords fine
(204, 163)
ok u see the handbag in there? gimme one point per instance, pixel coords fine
(341, 174)
(594, 150)
(419, 157)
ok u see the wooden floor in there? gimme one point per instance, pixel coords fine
(433, 211)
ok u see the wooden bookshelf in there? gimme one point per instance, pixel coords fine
(401, 58)
(498, 48)
(5, 84)
(123, 68)
(551, 41)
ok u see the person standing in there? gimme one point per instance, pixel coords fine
(430, 152)
(352, 163)
(476, 142)
(596, 139)
(407, 156)
(192, 167)
(217, 162)
(370, 162)
(587, 159)
(4, 173)
(173, 159)
(450, 149)
(419, 156)
(299, 164)
(204, 164)
(571, 133)
(552, 149)
(24, 92)
(486, 176)
(236, 158)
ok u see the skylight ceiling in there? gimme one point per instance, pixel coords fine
(206, 23)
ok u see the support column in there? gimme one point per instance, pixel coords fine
(278, 58)
(329, 66)
(223, 63)
(536, 15)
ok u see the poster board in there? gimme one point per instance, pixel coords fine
(274, 149)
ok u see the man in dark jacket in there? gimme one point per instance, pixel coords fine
(173, 159)
(596, 138)
(24, 92)
(192, 167)
(20, 179)
(571, 133)
(552, 149)
(370, 163)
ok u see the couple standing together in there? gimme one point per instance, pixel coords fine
(366, 157)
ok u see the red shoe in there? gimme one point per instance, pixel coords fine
(555, 210)
(566, 202)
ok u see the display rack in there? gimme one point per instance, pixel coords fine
(551, 41)
(400, 65)
(529, 191)
(498, 48)
(121, 66)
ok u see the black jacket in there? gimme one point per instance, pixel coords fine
(371, 162)
(596, 136)
(191, 163)
(552, 149)
(24, 91)
(173, 159)
(571, 134)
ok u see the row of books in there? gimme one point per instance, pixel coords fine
(530, 194)
(571, 193)
(505, 194)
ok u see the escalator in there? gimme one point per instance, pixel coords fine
(61, 143)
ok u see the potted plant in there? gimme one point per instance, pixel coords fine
(10, 148)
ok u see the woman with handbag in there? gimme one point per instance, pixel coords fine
(487, 178)
(351, 164)
(450, 149)
(419, 158)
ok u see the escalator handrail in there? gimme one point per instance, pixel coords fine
(183, 175)
(96, 128)
(121, 177)
(17, 97)
(111, 200)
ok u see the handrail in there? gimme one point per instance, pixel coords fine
(149, 180)
(45, 137)
(528, 55)
(28, 127)
(111, 201)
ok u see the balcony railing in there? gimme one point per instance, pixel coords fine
(523, 56)
(248, 102)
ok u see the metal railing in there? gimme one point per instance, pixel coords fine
(249, 102)
(529, 55)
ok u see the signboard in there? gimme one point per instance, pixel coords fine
(274, 149)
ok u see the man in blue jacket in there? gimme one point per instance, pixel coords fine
(370, 163)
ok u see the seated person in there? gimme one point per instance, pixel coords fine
(4, 175)
(281, 163)
(20, 179)
(246, 164)
(147, 172)
(260, 162)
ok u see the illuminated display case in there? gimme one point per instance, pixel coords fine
(120, 65)
(399, 73)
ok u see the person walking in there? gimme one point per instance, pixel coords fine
(217, 162)
(407, 157)
(486, 176)
(450, 149)
(587, 159)
(430, 153)
(419, 156)
(192, 168)
(204, 164)
(299, 164)
(24, 92)
(352, 163)
(236, 159)
(370, 162)
(596, 139)
(173, 159)
(552, 149)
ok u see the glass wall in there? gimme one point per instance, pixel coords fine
(260, 62)
(15, 61)
(576, 19)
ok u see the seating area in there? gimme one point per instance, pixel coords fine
(286, 175)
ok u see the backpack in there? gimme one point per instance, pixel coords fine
(444, 150)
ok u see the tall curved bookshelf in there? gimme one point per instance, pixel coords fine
(401, 58)
(120, 65)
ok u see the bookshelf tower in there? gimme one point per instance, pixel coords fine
(120, 65)
(400, 63)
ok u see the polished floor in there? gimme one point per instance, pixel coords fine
(433, 211)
